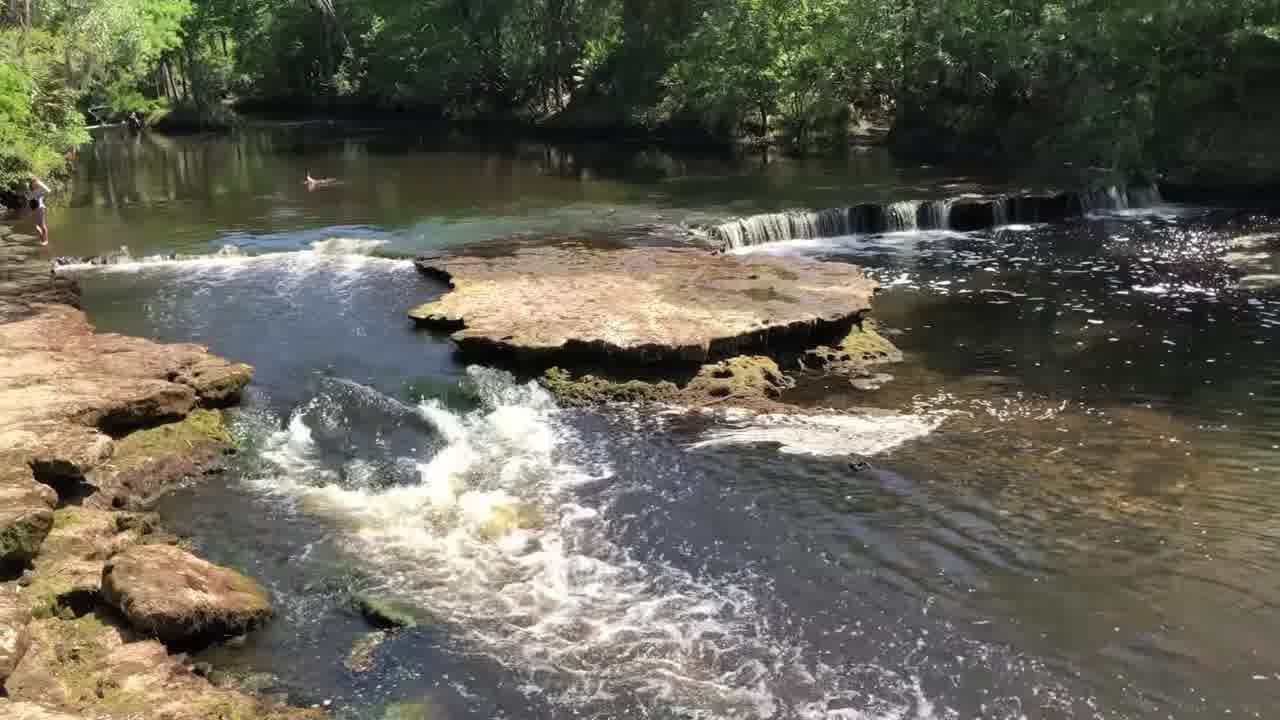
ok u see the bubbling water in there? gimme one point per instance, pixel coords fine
(496, 539)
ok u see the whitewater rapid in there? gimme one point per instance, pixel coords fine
(493, 537)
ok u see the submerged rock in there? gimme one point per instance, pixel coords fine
(361, 657)
(638, 304)
(391, 614)
(421, 710)
(175, 596)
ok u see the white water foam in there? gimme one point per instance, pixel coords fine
(496, 540)
(822, 435)
(338, 253)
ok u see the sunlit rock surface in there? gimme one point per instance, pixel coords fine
(640, 304)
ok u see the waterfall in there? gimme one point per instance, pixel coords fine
(866, 219)
(964, 213)
(1145, 196)
(934, 215)
(902, 215)
(1117, 198)
(1107, 198)
(779, 227)
(1000, 211)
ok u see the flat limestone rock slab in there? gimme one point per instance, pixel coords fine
(64, 389)
(644, 304)
(29, 711)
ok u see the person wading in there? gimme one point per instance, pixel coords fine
(36, 193)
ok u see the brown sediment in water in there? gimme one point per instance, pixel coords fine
(102, 421)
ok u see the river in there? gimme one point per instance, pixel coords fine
(1069, 512)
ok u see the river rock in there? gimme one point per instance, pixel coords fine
(92, 668)
(147, 463)
(747, 381)
(26, 512)
(175, 596)
(390, 614)
(67, 574)
(639, 304)
(862, 349)
(64, 389)
(30, 711)
(15, 638)
(55, 368)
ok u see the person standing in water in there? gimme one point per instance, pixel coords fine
(36, 193)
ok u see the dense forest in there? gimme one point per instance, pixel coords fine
(1133, 86)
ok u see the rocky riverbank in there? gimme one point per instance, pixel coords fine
(97, 602)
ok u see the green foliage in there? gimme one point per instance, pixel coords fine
(69, 55)
(1126, 86)
(39, 121)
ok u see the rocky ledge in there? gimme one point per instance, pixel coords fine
(639, 305)
(93, 425)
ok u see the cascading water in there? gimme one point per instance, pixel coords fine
(902, 216)
(497, 538)
(1145, 197)
(934, 215)
(1121, 199)
(780, 227)
(1000, 211)
(1107, 198)
(978, 212)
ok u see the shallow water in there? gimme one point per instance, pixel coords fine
(1067, 510)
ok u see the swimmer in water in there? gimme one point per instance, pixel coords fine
(313, 183)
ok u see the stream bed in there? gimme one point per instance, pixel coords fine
(1069, 510)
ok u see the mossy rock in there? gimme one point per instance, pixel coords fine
(181, 599)
(22, 532)
(420, 710)
(863, 348)
(198, 430)
(245, 708)
(592, 390)
(389, 614)
(363, 651)
(65, 655)
(745, 376)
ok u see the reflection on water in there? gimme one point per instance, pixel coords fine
(1064, 509)
(158, 194)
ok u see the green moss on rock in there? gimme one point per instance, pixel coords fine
(592, 390)
(750, 380)
(388, 614)
(863, 348)
(22, 531)
(745, 376)
(199, 429)
(420, 710)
